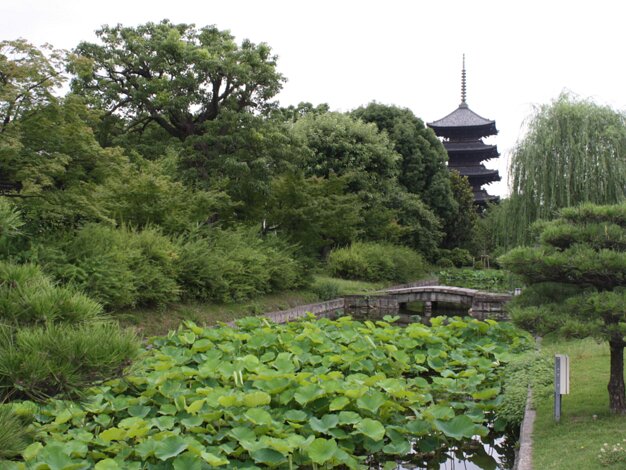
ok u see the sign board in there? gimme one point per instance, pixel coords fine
(563, 359)
(561, 382)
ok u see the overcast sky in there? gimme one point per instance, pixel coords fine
(348, 53)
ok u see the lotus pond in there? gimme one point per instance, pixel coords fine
(307, 394)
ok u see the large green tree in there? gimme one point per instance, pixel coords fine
(60, 166)
(423, 160)
(28, 78)
(240, 153)
(314, 212)
(577, 279)
(460, 224)
(344, 146)
(574, 152)
(176, 75)
(362, 156)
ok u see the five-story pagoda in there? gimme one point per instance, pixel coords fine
(463, 131)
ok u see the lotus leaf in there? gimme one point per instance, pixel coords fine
(371, 428)
(170, 447)
(107, 464)
(258, 416)
(457, 428)
(265, 395)
(325, 424)
(322, 450)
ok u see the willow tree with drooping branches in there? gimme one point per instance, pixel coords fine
(574, 152)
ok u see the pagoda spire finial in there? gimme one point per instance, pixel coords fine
(463, 84)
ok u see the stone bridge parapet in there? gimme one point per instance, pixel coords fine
(480, 304)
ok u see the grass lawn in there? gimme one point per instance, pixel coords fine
(159, 321)
(586, 424)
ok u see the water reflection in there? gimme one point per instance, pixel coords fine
(493, 452)
(497, 453)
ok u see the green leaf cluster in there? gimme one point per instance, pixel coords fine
(493, 280)
(573, 153)
(29, 297)
(376, 262)
(583, 254)
(315, 392)
(175, 75)
(61, 359)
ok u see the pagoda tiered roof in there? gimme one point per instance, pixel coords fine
(482, 197)
(477, 171)
(472, 148)
(462, 131)
(463, 123)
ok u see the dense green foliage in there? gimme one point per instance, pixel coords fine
(460, 224)
(169, 127)
(148, 194)
(15, 432)
(57, 359)
(236, 265)
(118, 267)
(122, 267)
(344, 146)
(53, 339)
(577, 278)
(332, 393)
(494, 280)
(365, 160)
(423, 159)
(573, 153)
(531, 370)
(376, 262)
(315, 213)
(29, 297)
(177, 76)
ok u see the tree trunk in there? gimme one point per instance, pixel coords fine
(617, 398)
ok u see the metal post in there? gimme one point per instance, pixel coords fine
(561, 382)
(557, 388)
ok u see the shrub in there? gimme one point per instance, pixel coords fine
(40, 362)
(149, 195)
(119, 267)
(10, 226)
(532, 369)
(376, 262)
(28, 296)
(495, 280)
(234, 265)
(459, 257)
(155, 272)
(326, 289)
(14, 432)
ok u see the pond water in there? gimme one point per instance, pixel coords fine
(494, 452)
(438, 308)
(479, 454)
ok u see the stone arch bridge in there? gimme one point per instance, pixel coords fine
(480, 304)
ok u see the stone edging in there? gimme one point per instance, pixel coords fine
(523, 458)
